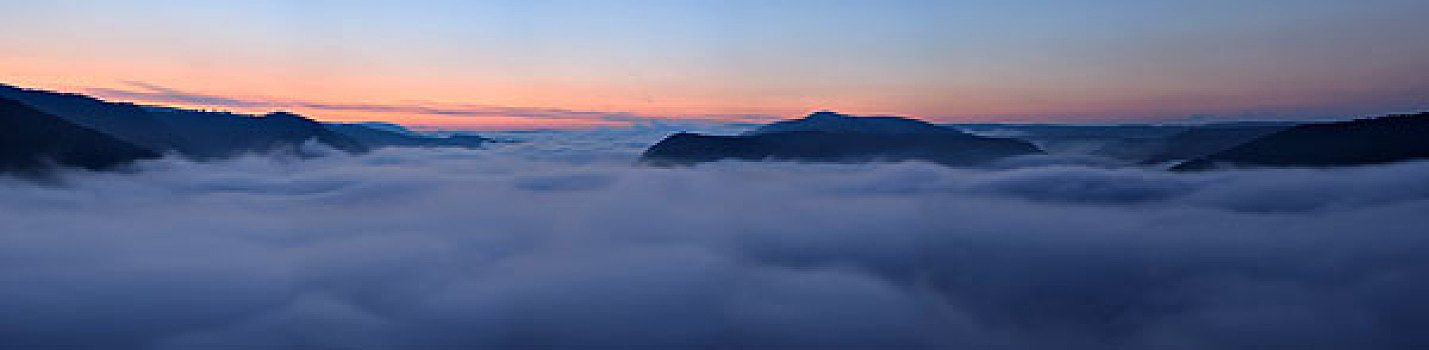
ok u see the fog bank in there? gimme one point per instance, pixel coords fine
(566, 245)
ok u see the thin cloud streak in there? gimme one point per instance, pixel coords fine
(151, 93)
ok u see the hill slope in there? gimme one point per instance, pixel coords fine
(195, 134)
(378, 136)
(831, 137)
(214, 135)
(32, 141)
(1356, 142)
(832, 122)
(124, 121)
(1201, 141)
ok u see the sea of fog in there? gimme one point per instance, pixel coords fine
(561, 242)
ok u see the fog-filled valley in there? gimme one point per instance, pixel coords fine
(565, 241)
(714, 174)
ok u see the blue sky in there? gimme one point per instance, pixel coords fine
(1043, 61)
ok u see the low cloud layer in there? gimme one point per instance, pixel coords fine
(565, 245)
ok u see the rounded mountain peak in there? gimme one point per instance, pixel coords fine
(834, 122)
(827, 115)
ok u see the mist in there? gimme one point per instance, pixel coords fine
(563, 242)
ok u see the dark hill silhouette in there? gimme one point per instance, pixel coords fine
(215, 135)
(1357, 142)
(196, 134)
(384, 126)
(831, 122)
(831, 137)
(124, 121)
(386, 135)
(32, 141)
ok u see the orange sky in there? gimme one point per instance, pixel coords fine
(570, 64)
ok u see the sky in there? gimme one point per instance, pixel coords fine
(573, 64)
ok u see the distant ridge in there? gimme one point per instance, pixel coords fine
(207, 135)
(388, 135)
(833, 137)
(1133, 144)
(195, 134)
(1385, 139)
(218, 135)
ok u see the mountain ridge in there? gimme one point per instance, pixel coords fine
(32, 142)
(828, 121)
(1376, 140)
(203, 135)
(832, 137)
